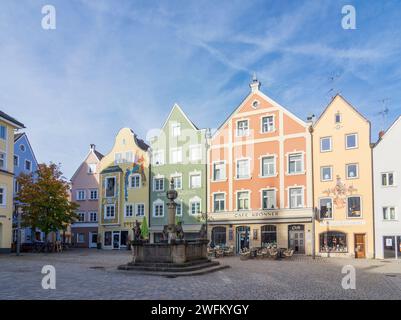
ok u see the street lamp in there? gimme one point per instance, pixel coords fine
(18, 211)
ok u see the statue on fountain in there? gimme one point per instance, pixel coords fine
(137, 231)
(171, 231)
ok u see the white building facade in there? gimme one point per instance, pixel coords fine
(387, 193)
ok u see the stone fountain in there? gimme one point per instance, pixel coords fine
(175, 256)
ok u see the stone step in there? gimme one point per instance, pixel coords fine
(180, 274)
(170, 268)
(167, 264)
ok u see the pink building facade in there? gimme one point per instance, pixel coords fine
(85, 192)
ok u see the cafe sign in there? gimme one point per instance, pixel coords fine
(255, 214)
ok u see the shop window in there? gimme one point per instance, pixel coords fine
(107, 238)
(333, 241)
(219, 236)
(268, 235)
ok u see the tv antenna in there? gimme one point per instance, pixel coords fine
(384, 111)
(332, 80)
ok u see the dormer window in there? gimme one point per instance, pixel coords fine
(338, 118)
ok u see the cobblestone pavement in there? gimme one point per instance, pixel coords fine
(92, 274)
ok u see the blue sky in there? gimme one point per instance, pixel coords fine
(112, 64)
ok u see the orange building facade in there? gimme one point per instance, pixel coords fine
(259, 178)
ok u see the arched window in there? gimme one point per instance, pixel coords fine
(268, 235)
(333, 241)
(219, 236)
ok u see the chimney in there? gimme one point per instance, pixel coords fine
(92, 147)
(255, 84)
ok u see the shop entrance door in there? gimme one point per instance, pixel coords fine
(116, 239)
(242, 238)
(296, 238)
(360, 246)
(92, 239)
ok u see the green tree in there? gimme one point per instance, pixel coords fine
(45, 200)
(144, 228)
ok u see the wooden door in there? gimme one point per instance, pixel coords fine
(360, 246)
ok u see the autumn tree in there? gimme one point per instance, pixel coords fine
(44, 198)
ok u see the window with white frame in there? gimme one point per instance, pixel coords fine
(3, 132)
(17, 187)
(243, 169)
(354, 207)
(389, 213)
(81, 195)
(93, 195)
(219, 202)
(219, 171)
(337, 118)
(158, 184)
(296, 198)
(351, 141)
(129, 210)
(136, 181)
(242, 128)
(129, 157)
(267, 124)
(326, 173)
(81, 216)
(268, 166)
(118, 158)
(176, 155)
(387, 179)
(352, 170)
(195, 152)
(92, 168)
(28, 165)
(268, 199)
(140, 209)
(93, 216)
(325, 144)
(158, 209)
(176, 129)
(195, 180)
(195, 206)
(110, 186)
(243, 200)
(177, 181)
(3, 160)
(295, 163)
(178, 208)
(326, 208)
(16, 161)
(158, 157)
(2, 196)
(109, 211)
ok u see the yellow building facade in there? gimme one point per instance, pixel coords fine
(342, 174)
(123, 190)
(7, 127)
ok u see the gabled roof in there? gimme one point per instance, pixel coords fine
(339, 96)
(269, 100)
(18, 136)
(140, 143)
(98, 155)
(176, 106)
(389, 129)
(11, 120)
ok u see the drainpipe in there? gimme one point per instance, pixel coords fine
(373, 203)
(313, 196)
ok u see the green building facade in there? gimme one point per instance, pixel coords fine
(178, 152)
